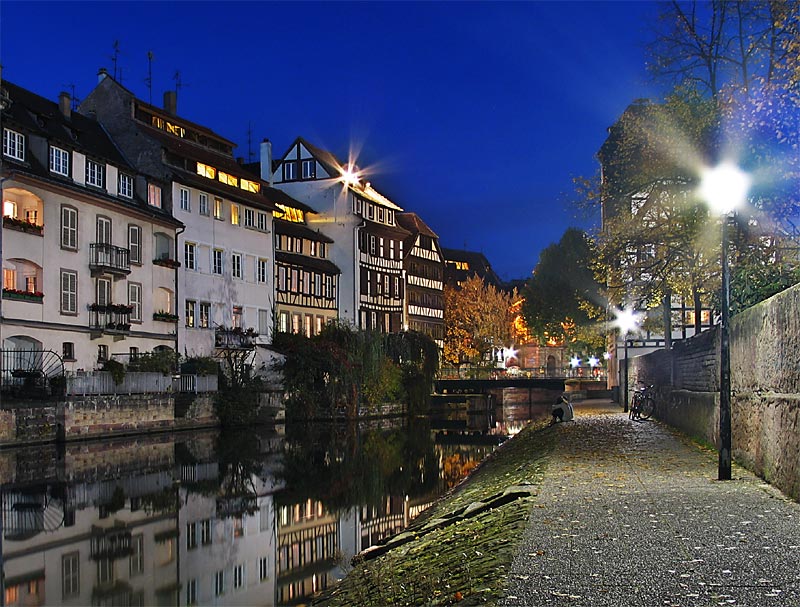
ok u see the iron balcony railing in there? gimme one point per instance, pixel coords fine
(109, 258)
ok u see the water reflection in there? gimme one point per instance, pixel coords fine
(255, 518)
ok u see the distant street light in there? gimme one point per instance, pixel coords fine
(627, 320)
(724, 189)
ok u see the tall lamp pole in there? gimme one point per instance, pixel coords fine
(724, 188)
(626, 320)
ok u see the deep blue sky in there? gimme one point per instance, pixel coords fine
(474, 115)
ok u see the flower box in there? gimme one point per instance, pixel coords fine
(165, 317)
(22, 226)
(167, 262)
(34, 296)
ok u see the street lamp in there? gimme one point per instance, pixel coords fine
(627, 320)
(724, 188)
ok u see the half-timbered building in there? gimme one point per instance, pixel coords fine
(78, 235)
(367, 240)
(424, 274)
(225, 287)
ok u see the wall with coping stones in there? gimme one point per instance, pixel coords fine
(765, 388)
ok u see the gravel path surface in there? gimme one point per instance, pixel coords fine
(630, 513)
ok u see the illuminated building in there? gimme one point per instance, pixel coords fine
(367, 240)
(460, 265)
(78, 238)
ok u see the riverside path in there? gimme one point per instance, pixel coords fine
(630, 513)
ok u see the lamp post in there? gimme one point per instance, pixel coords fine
(627, 320)
(724, 188)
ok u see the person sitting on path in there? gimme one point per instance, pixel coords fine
(562, 409)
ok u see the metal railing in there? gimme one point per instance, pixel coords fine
(195, 383)
(109, 257)
(102, 382)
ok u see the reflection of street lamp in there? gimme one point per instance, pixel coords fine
(627, 320)
(724, 189)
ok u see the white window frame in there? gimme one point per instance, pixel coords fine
(70, 575)
(135, 243)
(262, 221)
(217, 261)
(236, 265)
(249, 218)
(154, 195)
(69, 292)
(190, 256)
(95, 173)
(13, 144)
(135, 300)
(202, 202)
(69, 229)
(204, 315)
(186, 199)
(308, 169)
(125, 185)
(190, 312)
(262, 273)
(59, 161)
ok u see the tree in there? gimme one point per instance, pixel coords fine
(477, 318)
(562, 298)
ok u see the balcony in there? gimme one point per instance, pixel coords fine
(167, 262)
(21, 225)
(107, 258)
(113, 319)
(235, 338)
(32, 296)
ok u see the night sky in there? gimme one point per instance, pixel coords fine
(474, 115)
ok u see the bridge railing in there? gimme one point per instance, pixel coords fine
(476, 372)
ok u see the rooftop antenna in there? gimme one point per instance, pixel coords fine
(149, 80)
(179, 84)
(75, 100)
(249, 142)
(115, 58)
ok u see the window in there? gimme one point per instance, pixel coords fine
(235, 214)
(135, 243)
(69, 292)
(262, 221)
(186, 203)
(191, 592)
(228, 179)
(263, 568)
(372, 245)
(217, 261)
(296, 320)
(238, 576)
(289, 171)
(59, 161)
(238, 527)
(191, 536)
(189, 256)
(103, 291)
(105, 571)
(236, 320)
(263, 323)
(135, 300)
(13, 144)
(68, 350)
(69, 228)
(206, 171)
(250, 186)
(283, 322)
(94, 173)
(202, 200)
(236, 265)
(205, 532)
(397, 286)
(249, 218)
(133, 353)
(70, 575)
(154, 195)
(190, 312)
(219, 583)
(309, 167)
(308, 322)
(102, 353)
(263, 270)
(281, 278)
(137, 555)
(125, 185)
(204, 315)
(217, 208)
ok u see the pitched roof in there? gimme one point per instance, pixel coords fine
(315, 263)
(291, 228)
(230, 192)
(478, 264)
(413, 223)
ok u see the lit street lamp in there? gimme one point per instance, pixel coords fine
(627, 320)
(724, 189)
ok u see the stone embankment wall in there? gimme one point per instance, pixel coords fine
(765, 388)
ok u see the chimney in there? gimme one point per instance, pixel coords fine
(266, 161)
(65, 104)
(171, 102)
(102, 75)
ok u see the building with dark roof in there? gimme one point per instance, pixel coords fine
(424, 272)
(460, 265)
(226, 281)
(79, 235)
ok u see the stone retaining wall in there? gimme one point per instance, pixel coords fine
(765, 388)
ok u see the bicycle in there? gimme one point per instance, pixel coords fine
(642, 403)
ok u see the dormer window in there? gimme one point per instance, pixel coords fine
(228, 179)
(59, 161)
(95, 173)
(206, 171)
(13, 144)
(125, 185)
(250, 186)
(289, 171)
(154, 195)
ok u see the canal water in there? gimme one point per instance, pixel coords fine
(263, 517)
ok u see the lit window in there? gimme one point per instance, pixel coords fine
(9, 279)
(206, 171)
(69, 228)
(190, 313)
(9, 208)
(13, 144)
(59, 161)
(217, 208)
(235, 214)
(154, 195)
(202, 199)
(125, 185)
(204, 315)
(186, 204)
(228, 179)
(250, 186)
(236, 265)
(236, 320)
(94, 173)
